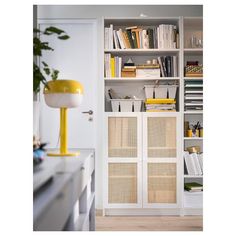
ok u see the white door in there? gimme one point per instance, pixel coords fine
(76, 59)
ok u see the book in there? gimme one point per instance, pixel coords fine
(112, 63)
(145, 39)
(136, 30)
(129, 34)
(160, 101)
(134, 39)
(188, 163)
(126, 39)
(120, 37)
(150, 37)
(193, 186)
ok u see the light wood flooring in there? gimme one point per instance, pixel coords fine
(149, 223)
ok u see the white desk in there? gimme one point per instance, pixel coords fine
(67, 202)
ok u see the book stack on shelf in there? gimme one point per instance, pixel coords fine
(162, 37)
(193, 69)
(112, 65)
(193, 163)
(193, 95)
(193, 187)
(156, 105)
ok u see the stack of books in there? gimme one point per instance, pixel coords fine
(162, 36)
(193, 187)
(193, 163)
(193, 95)
(169, 66)
(157, 105)
(112, 66)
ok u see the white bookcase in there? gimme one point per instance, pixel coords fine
(144, 167)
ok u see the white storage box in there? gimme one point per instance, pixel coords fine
(193, 199)
(161, 91)
(172, 91)
(148, 73)
(126, 105)
(149, 89)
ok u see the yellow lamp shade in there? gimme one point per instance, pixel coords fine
(63, 93)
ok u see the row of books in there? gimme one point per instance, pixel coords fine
(193, 96)
(193, 187)
(168, 65)
(113, 66)
(164, 36)
(156, 104)
(193, 163)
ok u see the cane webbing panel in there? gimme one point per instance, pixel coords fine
(161, 183)
(161, 136)
(122, 137)
(122, 183)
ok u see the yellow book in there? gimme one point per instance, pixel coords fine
(112, 61)
(161, 110)
(160, 101)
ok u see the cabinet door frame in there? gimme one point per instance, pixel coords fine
(176, 160)
(137, 160)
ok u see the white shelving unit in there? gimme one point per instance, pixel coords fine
(192, 26)
(143, 175)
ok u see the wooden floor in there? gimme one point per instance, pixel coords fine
(149, 223)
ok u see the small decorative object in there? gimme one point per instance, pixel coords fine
(38, 151)
(189, 133)
(63, 94)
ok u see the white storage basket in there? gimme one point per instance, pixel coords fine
(126, 105)
(149, 89)
(172, 91)
(161, 91)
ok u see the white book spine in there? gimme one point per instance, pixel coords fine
(188, 164)
(111, 37)
(120, 37)
(115, 39)
(120, 65)
(197, 165)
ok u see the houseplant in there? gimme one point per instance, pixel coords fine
(41, 70)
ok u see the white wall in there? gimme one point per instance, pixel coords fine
(97, 12)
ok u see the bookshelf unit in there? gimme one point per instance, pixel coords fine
(192, 51)
(142, 175)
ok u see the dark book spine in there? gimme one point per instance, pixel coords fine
(164, 66)
(168, 65)
(150, 37)
(129, 34)
(134, 39)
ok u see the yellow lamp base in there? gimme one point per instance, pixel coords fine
(70, 154)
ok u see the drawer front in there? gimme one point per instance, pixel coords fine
(54, 218)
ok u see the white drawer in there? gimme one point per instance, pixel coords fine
(55, 216)
(193, 200)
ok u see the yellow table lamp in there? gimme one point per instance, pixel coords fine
(63, 94)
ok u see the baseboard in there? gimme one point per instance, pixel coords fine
(143, 212)
(193, 211)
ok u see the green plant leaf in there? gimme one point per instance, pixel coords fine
(44, 63)
(54, 74)
(52, 29)
(63, 37)
(47, 70)
(35, 30)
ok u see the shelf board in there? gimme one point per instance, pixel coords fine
(193, 176)
(128, 79)
(193, 138)
(193, 78)
(193, 112)
(193, 51)
(140, 51)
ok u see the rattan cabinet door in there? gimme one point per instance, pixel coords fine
(122, 183)
(161, 183)
(161, 137)
(122, 137)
